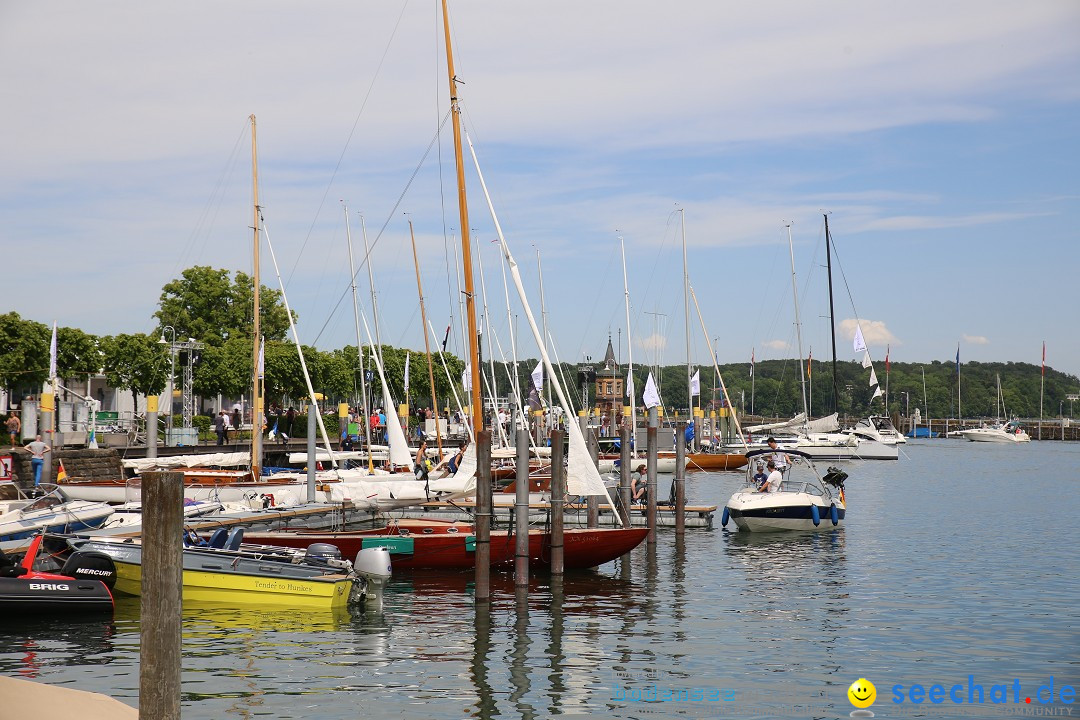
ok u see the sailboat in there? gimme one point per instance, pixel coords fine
(714, 458)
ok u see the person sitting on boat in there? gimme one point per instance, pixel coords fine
(760, 478)
(423, 463)
(772, 484)
(779, 458)
(639, 487)
(455, 461)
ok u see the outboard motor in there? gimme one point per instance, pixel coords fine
(373, 565)
(90, 565)
(324, 554)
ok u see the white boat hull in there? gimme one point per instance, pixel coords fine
(995, 435)
(783, 511)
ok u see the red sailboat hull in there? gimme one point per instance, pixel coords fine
(434, 545)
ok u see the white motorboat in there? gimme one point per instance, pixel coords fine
(806, 500)
(1009, 432)
(878, 428)
(49, 511)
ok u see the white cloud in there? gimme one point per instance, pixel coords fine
(975, 340)
(652, 342)
(777, 344)
(874, 331)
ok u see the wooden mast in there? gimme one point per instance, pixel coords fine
(463, 213)
(256, 394)
(427, 343)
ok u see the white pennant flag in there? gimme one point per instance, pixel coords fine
(695, 384)
(466, 378)
(407, 356)
(877, 393)
(651, 397)
(52, 353)
(866, 363)
(262, 358)
(629, 385)
(860, 344)
(873, 377)
(538, 376)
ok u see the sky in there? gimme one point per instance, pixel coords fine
(941, 139)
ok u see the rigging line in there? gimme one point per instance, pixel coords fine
(601, 288)
(375, 242)
(348, 140)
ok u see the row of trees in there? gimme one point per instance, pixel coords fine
(215, 308)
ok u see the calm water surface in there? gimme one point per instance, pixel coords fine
(958, 560)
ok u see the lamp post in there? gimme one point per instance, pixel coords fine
(172, 361)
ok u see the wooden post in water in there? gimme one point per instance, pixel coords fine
(521, 510)
(680, 479)
(483, 516)
(624, 474)
(162, 566)
(558, 501)
(651, 477)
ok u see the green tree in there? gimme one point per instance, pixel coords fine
(77, 352)
(208, 305)
(24, 351)
(135, 362)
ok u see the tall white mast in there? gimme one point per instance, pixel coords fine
(630, 353)
(686, 313)
(798, 328)
(359, 343)
(371, 283)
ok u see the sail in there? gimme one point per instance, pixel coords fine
(399, 447)
(582, 476)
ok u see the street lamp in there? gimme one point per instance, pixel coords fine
(907, 404)
(172, 361)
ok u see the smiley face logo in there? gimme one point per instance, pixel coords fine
(862, 693)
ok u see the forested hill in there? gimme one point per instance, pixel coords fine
(776, 387)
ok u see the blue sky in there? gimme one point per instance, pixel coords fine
(941, 138)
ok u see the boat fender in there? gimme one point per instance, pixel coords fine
(815, 514)
(834, 514)
(724, 518)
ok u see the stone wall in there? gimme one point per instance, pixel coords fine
(102, 464)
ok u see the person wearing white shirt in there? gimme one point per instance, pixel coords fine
(772, 484)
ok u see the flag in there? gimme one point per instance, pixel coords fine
(538, 376)
(695, 384)
(866, 362)
(262, 357)
(886, 359)
(810, 363)
(651, 396)
(629, 385)
(957, 358)
(877, 393)
(860, 344)
(466, 378)
(1044, 359)
(873, 377)
(61, 474)
(273, 431)
(52, 353)
(407, 356)
(752, 362)
(445, 338)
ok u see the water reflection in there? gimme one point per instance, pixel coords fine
(30, 644)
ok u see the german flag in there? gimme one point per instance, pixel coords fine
(61, 474)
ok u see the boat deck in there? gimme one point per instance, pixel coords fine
(696, 516)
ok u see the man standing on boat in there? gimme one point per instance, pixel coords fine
(779, 458)
(37, 450)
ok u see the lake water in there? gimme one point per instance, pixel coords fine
(957, 567)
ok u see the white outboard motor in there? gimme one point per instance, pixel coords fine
(373, 564)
